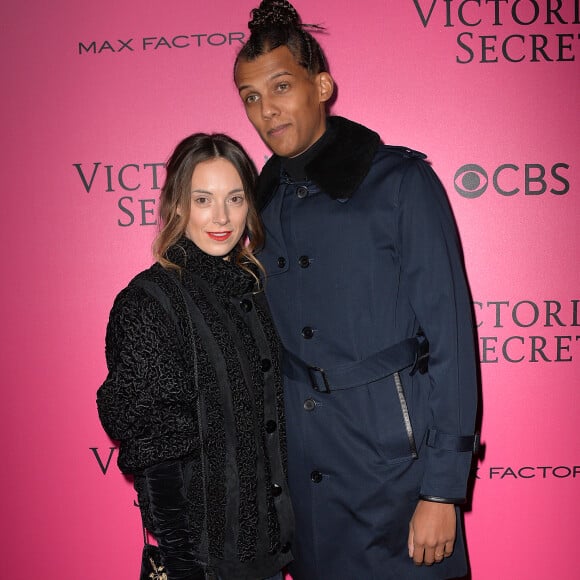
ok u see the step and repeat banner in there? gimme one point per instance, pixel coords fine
(94, 97)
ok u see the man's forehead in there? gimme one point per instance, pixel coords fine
(266, 67)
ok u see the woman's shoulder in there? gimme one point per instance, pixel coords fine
(140, 298)
(154, 273)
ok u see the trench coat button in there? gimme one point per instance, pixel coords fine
(309, 404)
(302, 192)
(316, 477)
(307, 332)
(304, 261)
(246, 305)
(286, 548)
(271, 426)
(276, 490)
(281, 262)
(266, 365)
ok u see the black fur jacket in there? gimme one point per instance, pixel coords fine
(194, 376)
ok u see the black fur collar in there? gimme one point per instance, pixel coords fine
(338, 169)
(223, 276)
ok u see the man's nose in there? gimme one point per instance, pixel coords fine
(269, 108)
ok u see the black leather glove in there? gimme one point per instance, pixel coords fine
(166, 487)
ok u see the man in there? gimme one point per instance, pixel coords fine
(363, 268)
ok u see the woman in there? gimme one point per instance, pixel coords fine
(193, 392)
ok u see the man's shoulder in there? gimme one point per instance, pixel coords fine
(395, 160)
(402, 152)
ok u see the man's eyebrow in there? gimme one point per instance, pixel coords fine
(270, 78)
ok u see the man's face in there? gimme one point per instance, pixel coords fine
(283, 102)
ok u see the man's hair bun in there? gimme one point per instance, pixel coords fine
(279, 13)
(276, 23)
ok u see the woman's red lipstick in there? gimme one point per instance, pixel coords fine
(219, 236)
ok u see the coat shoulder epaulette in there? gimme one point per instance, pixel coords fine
(405, 152)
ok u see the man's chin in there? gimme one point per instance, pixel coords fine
(277, 147)
(281, 151)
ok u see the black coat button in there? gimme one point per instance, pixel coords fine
(304, 261)
(286, 548)
(309, 404)
(316, 476)
(302, 192)
(281, 262)
(307, 332)
(271, 426)
(276, 490)
(246, 305)
(266, 365)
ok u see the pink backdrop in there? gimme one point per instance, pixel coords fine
(95, 94)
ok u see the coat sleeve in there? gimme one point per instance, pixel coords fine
(146, 401)
(434, 282)
(167, 486)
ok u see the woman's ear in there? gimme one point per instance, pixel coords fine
(325, 86)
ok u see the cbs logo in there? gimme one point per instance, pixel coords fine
(508, 179)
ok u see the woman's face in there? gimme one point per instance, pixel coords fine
(219, 207)
(283, 102)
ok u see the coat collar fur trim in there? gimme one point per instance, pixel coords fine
(338, 169)
(223, 276)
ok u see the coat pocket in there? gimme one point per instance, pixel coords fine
(391, 419)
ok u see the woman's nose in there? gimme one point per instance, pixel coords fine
(220, 214)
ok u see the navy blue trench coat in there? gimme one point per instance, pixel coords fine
(360, 257)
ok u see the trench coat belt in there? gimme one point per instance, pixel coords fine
(409, 352)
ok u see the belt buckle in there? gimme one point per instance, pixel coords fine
(323, 387)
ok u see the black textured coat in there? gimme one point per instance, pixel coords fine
(228, 431)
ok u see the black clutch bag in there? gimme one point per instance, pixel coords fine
(151, 566)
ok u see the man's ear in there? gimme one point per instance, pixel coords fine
(325, 86)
